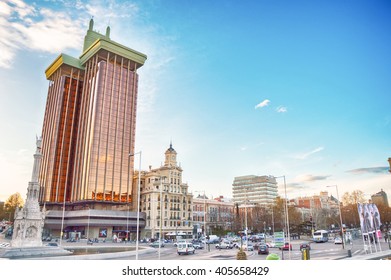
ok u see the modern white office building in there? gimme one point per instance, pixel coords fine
(254, 190)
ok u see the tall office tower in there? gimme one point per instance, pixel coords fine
(254, 190)
(380, 198)
(89, 125)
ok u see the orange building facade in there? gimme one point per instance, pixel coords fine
(89, 129)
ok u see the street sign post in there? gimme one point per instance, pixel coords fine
(279, 239)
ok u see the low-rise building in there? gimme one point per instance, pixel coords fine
(212, 216)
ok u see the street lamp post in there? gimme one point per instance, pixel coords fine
(88, 224)
(340, 215)
(204, 212)
(161, 178)
(63, 214)
(246, 224)
(273, 219)
(138, 203)
(286, 217)
(127, 224)
(161, 214)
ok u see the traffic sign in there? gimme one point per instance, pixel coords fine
(279, 238)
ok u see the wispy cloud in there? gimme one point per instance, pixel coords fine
(264, 103)
(281, 109)
(369, 170)
(26, 27)
(311, 178)
(306, 155)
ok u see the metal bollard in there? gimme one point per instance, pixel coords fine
(305, 254)
(349, 253)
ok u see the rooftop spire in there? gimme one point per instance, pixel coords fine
(91, 24)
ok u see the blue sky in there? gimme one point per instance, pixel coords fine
(299, 89)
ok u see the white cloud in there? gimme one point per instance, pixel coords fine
(23, 26)
(264, 103)
(5, 10)
(281, 109)
(306, 155)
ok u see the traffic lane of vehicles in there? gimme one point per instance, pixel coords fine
(169, 252)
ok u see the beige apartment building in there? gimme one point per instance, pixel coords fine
(165, 200)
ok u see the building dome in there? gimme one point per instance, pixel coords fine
(171, 149)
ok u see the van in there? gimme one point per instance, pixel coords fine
(212, 239)
(185, 248)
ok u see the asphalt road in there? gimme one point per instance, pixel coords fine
(320, 251)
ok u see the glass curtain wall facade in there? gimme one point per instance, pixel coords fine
(60, 131)
(89, 124)
(107, 129)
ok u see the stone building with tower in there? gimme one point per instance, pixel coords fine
(165, 199)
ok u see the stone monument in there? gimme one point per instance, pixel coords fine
(29, 220)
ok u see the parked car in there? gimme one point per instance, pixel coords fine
(185, 248)
(224, 245)
(287, 246)
(305, 246)
(338, 240)
(248, 247)
(52, 244)
(155, 244)
(263, 249)
(198, 245)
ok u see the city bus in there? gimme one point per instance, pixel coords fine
(320, 236)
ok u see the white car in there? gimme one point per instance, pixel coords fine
(224, 245)
(185, 248)
(198, 245)
(338, 240)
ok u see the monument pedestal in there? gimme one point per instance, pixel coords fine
(34, 252)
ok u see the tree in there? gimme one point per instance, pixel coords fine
(355, 197)
(13, 202)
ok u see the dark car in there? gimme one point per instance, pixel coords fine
(305, 246)
(263, 249)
